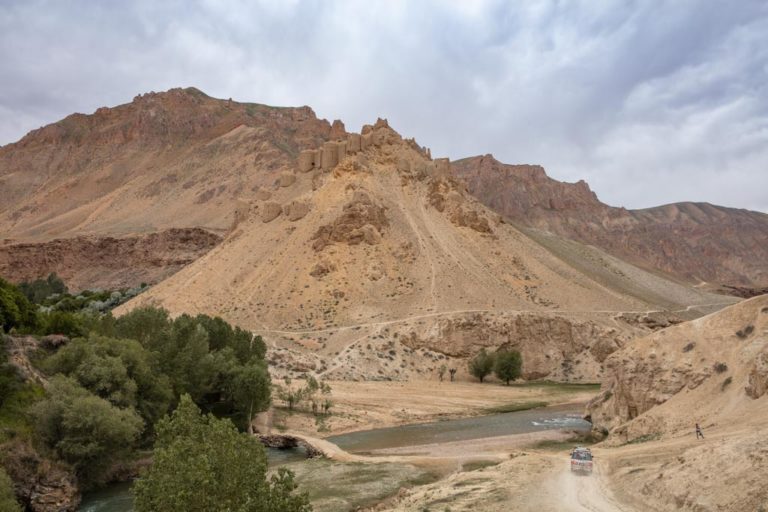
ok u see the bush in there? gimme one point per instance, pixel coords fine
(203, 463)
(721, 367)
(8, 501)
(508, 365)
(84, 430)
(689, 347)
(726, 383)
(62, 322)
(481, 365)
(16, 312)
(40, 289)
(745, 332)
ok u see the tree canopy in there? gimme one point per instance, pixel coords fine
(203, 463)
(481, 365)
(508, 365)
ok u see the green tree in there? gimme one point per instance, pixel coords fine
(8, 501)
(83, 429)
(62, 322)
(120, 371)
(508, 366)
(16, 312)
(481, 365)
(250, 390)
(201, 463)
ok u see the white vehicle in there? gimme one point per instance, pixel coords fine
(581, 460)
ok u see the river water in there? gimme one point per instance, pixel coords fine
(117, 497)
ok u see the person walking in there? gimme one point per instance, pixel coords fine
(699, 434)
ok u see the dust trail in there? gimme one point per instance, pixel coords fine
(570, 492)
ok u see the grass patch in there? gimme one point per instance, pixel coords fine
(565, 387)
(644, 439)
(568, 444)
(14, 421)
(478, 464)
(515, 407)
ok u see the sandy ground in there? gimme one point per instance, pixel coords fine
(366, 405)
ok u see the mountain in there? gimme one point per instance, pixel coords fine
(712, 371)
(368, 260)
(699, 243)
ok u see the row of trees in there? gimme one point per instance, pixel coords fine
(507, 365)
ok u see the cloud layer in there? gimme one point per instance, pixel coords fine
(650, 102)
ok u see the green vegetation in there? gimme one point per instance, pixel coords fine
(515, 407)
(481, 365)
(116, 379)
(16, 311)
(202, 463)
(508, 365)
(40, 289)
(8, 501)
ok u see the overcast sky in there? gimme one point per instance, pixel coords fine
(650, 102)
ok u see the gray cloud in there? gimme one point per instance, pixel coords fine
(650, 102)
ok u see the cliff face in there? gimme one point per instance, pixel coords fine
(107, 262)
(692, 241)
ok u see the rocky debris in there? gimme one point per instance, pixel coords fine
(287, 179)
(444, 197)
(653, 320)
(296, 210)
(757, 383)
(106, 262)
(322, 268)
(287, 441)
(270, 211)
(745, 292)
(40, 484)
(53, 341)
(263, 194)
(361, 221)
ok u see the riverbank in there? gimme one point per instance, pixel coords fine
(368, 405)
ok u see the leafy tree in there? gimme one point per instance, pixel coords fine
(62, 322)
(481, 365)
(120, 371)
(8, 501)
(441, 372)
(250, 391)
(201, 463)
(40, 289)
(452, 373)
(16, 312)
(83, 429)
(508, 366)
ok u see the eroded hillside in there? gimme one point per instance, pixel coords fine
(696, 242)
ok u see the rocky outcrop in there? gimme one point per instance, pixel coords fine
(40, 484)
(270, 211)
(693, 241)
(361, 220)
(444, 197)
(296, 210)
(757, 384)
(106, 262)
(287, 179)
(552, 347)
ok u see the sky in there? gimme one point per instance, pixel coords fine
(650, 102)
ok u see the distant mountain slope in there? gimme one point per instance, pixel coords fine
(697, 242)
(172, 159)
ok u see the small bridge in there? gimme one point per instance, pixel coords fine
(315, 447)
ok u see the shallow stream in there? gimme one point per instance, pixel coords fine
(117, 497)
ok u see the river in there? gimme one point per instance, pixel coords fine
(117, 497)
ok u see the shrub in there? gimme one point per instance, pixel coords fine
(689, 347)
(8, 501)
(721, 367)
(745, 332)
(40, 289)
(508, 365)
(16, 312)
(726, 383)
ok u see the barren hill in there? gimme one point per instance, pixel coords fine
(712, 371)
(368, 260)
(697, 242)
